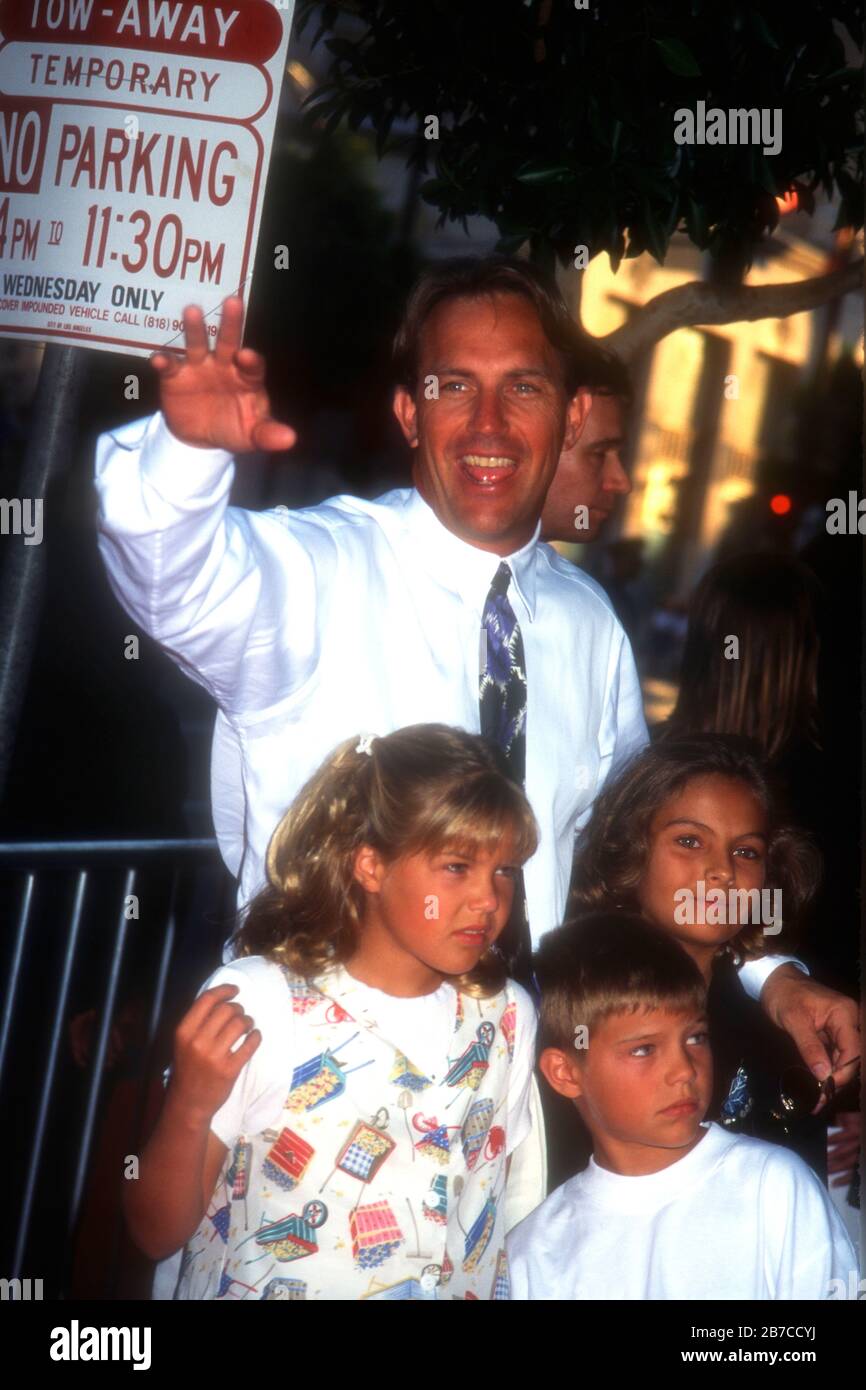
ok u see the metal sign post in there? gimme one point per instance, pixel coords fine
(22, 572)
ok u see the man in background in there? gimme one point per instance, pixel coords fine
(590, 477)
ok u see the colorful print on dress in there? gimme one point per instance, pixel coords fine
(292, 1237)
(435, 1142)
(320, 1079)
(222, 1220)
(303, 997)
(478, 1236)
(405, 1074)
(435, 1204)
(286, 1290)
(238, 1174)
(423, 1289)
(458, 1013)
(375, 1234)
(365, 1150)
(288, 1160)
(474, 1131)
(227, 1286)
(470, 1067)
(501, 1291)
(508, 1027)
(335, 1013)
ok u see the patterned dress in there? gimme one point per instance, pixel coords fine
(377, 1182)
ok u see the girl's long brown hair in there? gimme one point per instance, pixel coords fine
(420, 789)
(615, 846)
(768, 691)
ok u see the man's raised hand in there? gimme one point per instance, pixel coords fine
(217, 400)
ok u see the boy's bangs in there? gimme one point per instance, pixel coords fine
(684, 998)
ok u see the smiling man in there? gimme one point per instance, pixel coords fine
(435, 602)
(431, 603)
(486, 441)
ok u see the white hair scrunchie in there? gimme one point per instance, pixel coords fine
(366, 744)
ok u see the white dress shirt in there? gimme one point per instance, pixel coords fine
(308, 627)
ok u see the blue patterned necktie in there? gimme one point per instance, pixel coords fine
(502, 701)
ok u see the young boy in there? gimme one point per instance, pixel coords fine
(670, 1207)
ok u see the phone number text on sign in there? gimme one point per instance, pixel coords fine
(131, 182)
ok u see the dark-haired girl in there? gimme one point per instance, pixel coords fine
(689, 835)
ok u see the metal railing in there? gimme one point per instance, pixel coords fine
(33, 876)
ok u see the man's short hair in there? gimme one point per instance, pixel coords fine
(608, 963)
(608, 376)
(469, 277)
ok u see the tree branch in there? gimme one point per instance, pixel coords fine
(700, 303)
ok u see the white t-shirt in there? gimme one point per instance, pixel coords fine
(736, 1218)
(421, 1027)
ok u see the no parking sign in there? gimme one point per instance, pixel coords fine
(135, 137)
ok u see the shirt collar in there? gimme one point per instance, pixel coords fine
(464, 568)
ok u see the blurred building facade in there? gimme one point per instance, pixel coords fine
(721, 406)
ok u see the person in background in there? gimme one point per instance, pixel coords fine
(590, 477)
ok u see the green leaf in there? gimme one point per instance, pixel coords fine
(616, 252)
(677, 57)
(544, 173)
(657, 242)
(696, 222)
(432, 188)
(759, 25)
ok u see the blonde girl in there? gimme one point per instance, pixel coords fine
(346, 1094)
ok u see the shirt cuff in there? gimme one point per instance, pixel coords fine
(755, 973)
(180, 473)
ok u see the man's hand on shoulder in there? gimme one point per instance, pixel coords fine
(217, 400)
(824, 1024)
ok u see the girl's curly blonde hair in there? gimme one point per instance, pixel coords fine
(423, 788)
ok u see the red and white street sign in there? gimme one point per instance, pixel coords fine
(135, 137)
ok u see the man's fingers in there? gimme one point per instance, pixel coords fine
(231, 329)
(844, 1072)
(842, 1029)
(844, 1179)
(270, 435)
(251, 367)
(195, 334)
(167, 364)
(842, 1157)
(809, 1045)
